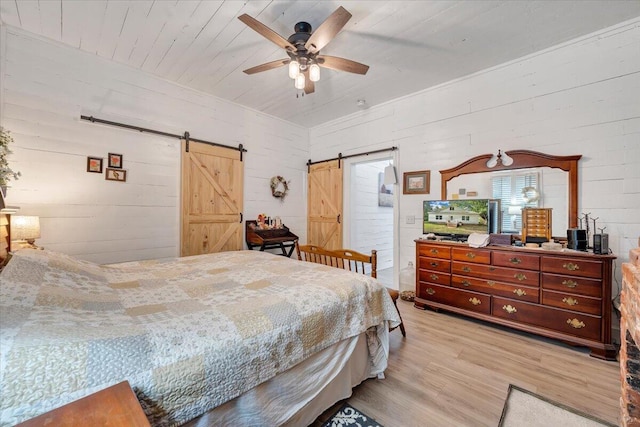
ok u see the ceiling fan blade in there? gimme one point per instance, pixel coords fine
(327, 30)
(267, 66)
(309, 86)
(266, 32)
(342, 64)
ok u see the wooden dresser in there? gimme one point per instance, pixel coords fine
(565, 295)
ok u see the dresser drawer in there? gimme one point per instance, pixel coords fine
(514, 259)
(572, 266)
(434, 277)
(574, 285)
(523, 293)
(503, 274)
(477, 256)
(434, 264)
(434, 251)
(574, 302)
(565, 321)
(468, 300)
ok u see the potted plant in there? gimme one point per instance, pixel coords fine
(6, 173)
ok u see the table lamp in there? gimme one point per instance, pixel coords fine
(25, 229)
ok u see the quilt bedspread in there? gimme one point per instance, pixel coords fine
(188, 333)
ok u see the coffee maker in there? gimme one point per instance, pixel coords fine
(577, 239)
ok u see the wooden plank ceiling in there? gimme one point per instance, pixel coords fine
(409, 45)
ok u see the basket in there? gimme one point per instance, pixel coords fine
(271, 233)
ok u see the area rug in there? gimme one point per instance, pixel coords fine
(526, 409)
(347, 415)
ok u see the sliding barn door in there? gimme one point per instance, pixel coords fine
(212, 183)
(324, 223)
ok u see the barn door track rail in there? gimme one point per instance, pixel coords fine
(184, 136)
(341, 157)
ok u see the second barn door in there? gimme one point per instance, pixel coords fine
(212, 193)
(324, 221)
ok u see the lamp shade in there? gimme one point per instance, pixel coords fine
(25, 227)
(515, 210)
(314, 72)
(390, 175)
(294, 69)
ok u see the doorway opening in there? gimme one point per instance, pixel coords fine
(371, 216)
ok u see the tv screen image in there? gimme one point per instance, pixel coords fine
(457, 219)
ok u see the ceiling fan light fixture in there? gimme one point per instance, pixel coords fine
(314, 72)
(294, 69)
(299, 82)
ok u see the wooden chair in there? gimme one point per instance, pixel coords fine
(347, 260)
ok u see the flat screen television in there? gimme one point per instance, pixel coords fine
(457, 219)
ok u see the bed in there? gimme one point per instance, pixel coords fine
(235, 338)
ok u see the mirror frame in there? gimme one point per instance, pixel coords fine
(522, 159)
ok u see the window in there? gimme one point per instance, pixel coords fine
(439, 217)
(465, 217)
(508, 189)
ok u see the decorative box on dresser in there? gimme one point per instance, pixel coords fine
(565, 295)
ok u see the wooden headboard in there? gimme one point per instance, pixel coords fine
(5, 241)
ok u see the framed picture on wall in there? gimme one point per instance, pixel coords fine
(94, 164)
(416, 182)
(116, 175)
(115, 161)
(385, 192)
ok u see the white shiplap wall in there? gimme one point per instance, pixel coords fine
(577, 98)
(370, 226)
(47, 86)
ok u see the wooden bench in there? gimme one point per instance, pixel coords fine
(347, 260)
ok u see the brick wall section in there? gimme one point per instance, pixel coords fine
(630, 340)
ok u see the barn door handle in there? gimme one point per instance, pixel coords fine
(240, 217)
(338, 218)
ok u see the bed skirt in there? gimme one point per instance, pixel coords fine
(298, 396)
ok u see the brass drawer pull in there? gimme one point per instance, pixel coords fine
(575, 323)
(475, 301)
(515, 260)
(509, 309)
(490, 282)
(466, 269)
(434, 251)
(570, 301)
(466, 283)
(519, 292)
(434, 277)
(434, 264)
(571, 266)
(471, 255)
(430, 291)
(570, 283)
(520, 276)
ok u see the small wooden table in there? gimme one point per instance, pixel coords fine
(270, 239)
(115, 406)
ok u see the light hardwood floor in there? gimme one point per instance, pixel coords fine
(454, 371)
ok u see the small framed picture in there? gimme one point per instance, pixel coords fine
(416, 182)
(116, 175)
(115, 161)
(94, 164)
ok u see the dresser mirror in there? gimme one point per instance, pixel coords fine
(557, 174)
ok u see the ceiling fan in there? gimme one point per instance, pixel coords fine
(303, 48)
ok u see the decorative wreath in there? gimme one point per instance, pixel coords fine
(279, 187)
(530, 194)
